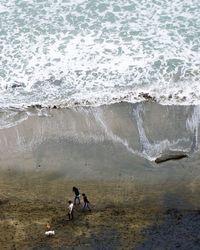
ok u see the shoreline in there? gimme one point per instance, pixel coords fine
(144, 130)
(176, 98)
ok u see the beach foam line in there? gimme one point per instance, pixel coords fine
(177, 96)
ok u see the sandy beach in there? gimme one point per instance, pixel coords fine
(108, 153)
(125, 215)
(30, 202)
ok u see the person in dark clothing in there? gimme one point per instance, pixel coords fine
(71, 210)
(86, 203)
(77, 195)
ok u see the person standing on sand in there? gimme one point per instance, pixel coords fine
(71, 210)
(86, 203)
(77, 195)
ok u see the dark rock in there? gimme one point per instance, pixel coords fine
(183, 98)
(171, 156)
(17, 85)
(147, 97)
(38, 106)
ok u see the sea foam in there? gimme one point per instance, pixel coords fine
(92, 53)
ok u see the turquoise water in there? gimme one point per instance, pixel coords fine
(59, 52)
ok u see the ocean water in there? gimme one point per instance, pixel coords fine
(89, 52)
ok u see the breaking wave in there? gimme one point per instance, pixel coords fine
(86, 52)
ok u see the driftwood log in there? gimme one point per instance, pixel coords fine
(171, 156)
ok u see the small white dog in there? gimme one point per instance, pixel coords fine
(49, 233)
